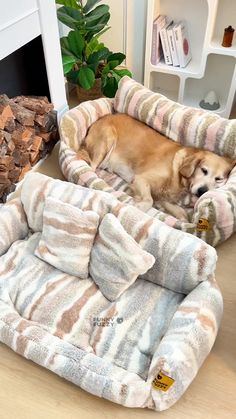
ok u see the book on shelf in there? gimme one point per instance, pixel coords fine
(165, 42)
(157, 53)
(182, 43)
(172, 45)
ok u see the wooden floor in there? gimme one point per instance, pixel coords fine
(28, 391)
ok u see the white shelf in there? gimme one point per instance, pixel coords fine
(191, 68)
(165, 84)
(216, 47)
(212, 66)
(195, 89)
(225, 16)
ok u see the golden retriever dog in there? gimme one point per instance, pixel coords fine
(156, 168)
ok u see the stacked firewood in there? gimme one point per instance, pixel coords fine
(28, 131)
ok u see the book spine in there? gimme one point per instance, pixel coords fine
(178, 42)
(165, 46)
(173, 49)
(182, 45)
(154, 44)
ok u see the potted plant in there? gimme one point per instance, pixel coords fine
(87, 62)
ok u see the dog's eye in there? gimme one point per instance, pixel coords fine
(204, 171)
(218, 179)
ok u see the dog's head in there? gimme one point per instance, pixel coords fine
(205, 170)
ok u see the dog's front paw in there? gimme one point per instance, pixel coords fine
(143, 205)
(175, 210)
(182, 215)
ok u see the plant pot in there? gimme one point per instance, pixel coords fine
(91, 94)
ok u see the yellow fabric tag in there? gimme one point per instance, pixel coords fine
(203, 225)
(162, 382)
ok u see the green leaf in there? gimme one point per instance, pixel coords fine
(118, 56)
(97, 13)
(72, 76)
(70, 3)
(92, 34)
(105, 70)
(86, 78)
(109, 87)
(112, 64)
(68, 63)
(65, 47)
(90, 4)
(76, 43)
(123, 72)
(95, 28)
(103, 31)
(94, 67)
(69, 16)
(111, 78)
(93, 46)
(99, 55)
(115, 75)
(88, 35)
(98, 25)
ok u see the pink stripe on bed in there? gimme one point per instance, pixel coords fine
(170, 221)
(85, 177)
(211, 135)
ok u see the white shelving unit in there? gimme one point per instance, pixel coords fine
(212, 67)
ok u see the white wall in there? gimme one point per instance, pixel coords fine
(114, 38)
(136, 37)
(127, 33)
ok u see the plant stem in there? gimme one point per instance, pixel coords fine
(82, 7)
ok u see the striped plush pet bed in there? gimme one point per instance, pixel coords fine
(213, 216)
(104, 295)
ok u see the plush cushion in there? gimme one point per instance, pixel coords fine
(116, 259)
(67, 237)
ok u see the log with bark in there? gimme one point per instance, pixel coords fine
(28, 132)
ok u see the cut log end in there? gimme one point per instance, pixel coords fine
(28, 132)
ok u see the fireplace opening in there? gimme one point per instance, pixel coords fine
(28, 123)
(24, 71)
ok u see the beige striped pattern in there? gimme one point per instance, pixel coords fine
(67, 227)
(116, 259)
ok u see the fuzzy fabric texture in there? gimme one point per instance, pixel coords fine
(213, 217)
(116, 259)
(67, 227)
(9, 213)
(114, 350)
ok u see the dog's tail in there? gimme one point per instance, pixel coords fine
(83, 154)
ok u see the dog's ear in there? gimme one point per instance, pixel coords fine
(233, 164)
(189, 165)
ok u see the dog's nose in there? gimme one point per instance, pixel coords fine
(201, 191)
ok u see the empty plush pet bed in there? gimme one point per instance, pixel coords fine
(104, 295)
(213, 217)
